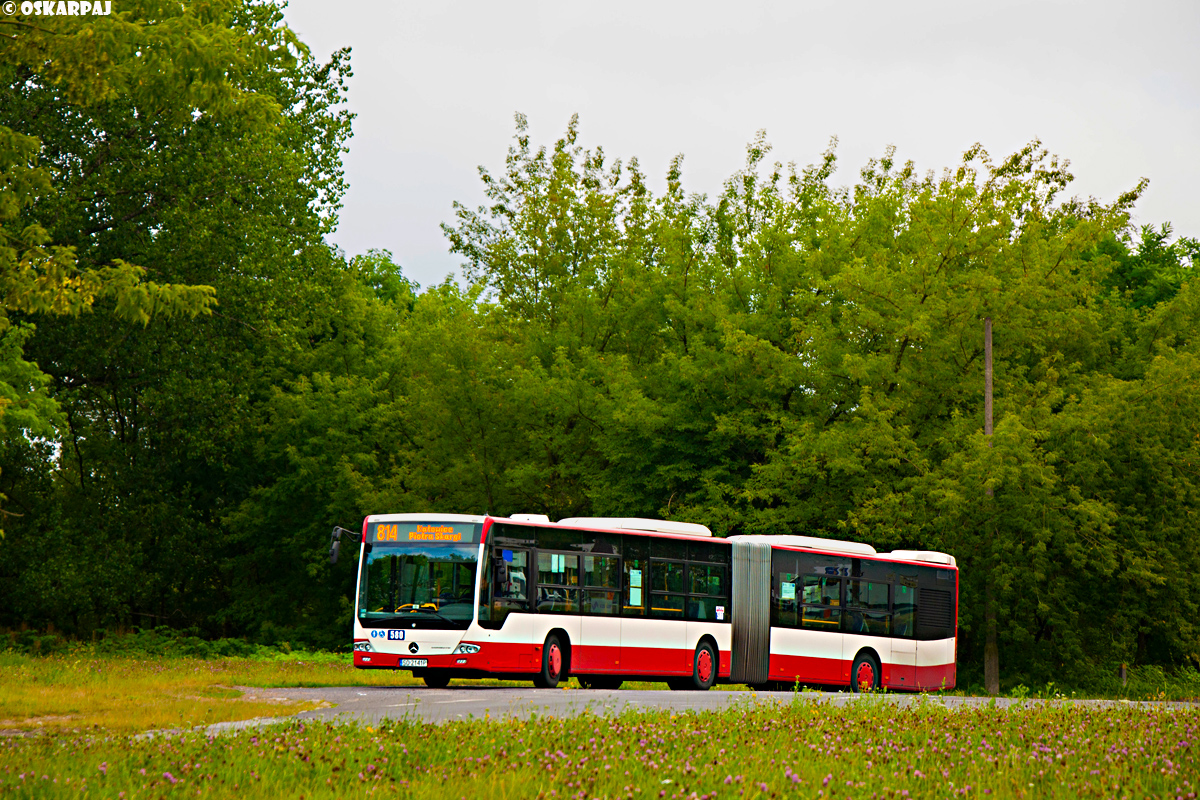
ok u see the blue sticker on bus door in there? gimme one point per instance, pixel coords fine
(507, 555)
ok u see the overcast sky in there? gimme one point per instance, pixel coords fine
(1112, 86)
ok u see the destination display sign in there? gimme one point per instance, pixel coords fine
(424, 532)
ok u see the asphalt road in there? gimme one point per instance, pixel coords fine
(373, 704)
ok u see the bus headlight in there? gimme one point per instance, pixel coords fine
(466, 649)
(363, 647)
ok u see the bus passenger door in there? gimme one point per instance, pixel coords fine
(661, 638)
(904, 644)
(599, 650)
(649, 646)
(904, 664)
(509, 626)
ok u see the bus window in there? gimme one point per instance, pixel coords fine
(868, 607)
(705, 579)
(904, 622)
(510, 585)
(867, 594)
(784, 600)
(601, 579)
(822, 596)
(558, 583)
(667, 589)
(604, 571)
(708, 596)
(637, 587)
(558, 569)
(667, 577)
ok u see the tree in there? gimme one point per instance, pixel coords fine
(202, 143)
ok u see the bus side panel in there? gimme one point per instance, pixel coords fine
(599, 648)
(511, 648)
(721, 633)
(807, 656)
(654, 647)
(935, 664)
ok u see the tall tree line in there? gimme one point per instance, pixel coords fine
(793, 355)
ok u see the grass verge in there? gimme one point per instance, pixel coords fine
(139, 694)
(867, 750)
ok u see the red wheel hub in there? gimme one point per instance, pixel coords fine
(865, 676)
(704, 665)
(555, 659)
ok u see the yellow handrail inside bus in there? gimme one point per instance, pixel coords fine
(415, 607)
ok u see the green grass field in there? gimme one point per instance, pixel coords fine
(812, 750)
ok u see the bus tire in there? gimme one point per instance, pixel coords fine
(436, 680)
(555, 664)
(865, 673)
(704, 667)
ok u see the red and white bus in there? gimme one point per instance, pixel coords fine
(610, 599)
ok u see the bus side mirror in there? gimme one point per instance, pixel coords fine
(335, 543)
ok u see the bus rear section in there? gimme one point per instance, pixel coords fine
(840, 614)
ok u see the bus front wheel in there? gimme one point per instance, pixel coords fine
(554, 664)
(436, 680)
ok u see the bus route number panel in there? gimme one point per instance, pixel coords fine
(423, 532)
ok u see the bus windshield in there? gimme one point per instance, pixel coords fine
(430, 586)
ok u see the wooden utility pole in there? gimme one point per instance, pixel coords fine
(991, 650)
(987, 382)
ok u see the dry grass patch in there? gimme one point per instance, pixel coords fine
(138, 694)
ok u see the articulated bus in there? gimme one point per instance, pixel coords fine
(612, 599)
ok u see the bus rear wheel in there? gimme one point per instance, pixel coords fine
(704, 670)
(865, 674)
(436, 680)
(554, 664)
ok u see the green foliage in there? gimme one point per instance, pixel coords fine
(212, 143)
(158, 643)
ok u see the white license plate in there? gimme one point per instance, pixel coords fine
(414, 662)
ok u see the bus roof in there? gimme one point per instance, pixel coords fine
(672, 527)
(638, 524)
(848, 548)
(425, 518)
(808, 542)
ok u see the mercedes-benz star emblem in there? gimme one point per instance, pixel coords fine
(412, 648)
